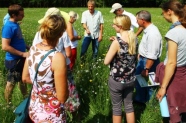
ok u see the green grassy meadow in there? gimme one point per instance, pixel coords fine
(91, 77)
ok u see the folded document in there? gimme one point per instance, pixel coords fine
(147, 83)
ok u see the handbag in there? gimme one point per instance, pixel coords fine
(21, 112)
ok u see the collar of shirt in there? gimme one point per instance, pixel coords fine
(148, 27)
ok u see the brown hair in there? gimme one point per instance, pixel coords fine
(178, 8)
(14, 9)
(52, 28)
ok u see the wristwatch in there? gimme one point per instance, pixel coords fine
(147, 69)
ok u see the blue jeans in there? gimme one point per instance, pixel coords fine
(143, 94)
(85, 45)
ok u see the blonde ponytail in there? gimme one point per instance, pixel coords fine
(132, 42)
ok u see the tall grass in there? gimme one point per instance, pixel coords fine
(90, 76)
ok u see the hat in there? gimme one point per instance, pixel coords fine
(65, 16)
(115, 6)
(55, 11)
(73, 14)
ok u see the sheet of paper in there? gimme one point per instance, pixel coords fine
(143, 83)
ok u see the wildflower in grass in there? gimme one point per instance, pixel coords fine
(81, 89)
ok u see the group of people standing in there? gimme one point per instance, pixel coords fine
(56, 31)
(122, 57)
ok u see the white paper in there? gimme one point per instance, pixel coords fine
(144, 83)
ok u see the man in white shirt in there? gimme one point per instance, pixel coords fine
(150, 49)
(118, 10)
(92, 21)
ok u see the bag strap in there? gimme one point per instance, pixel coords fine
(42, 61)
(35, 78)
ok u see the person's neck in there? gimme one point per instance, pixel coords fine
(13, 20)
(92, 12)
(147, 24)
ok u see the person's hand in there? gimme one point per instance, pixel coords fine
(99, 38)
(25, 54)
(78, 37)
(112, 38)
(88, 32)
(161, 93)
(145, 73)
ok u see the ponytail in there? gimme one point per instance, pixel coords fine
(132, 42)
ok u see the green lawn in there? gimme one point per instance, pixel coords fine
(91, 77)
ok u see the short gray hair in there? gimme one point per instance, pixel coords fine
(145, 15)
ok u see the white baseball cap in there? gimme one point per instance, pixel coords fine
(115, 6)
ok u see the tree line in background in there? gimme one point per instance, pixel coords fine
(83, 3)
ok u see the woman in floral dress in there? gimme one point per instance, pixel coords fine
(50, 89)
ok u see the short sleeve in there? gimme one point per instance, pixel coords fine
(66, 40)
(101, 18)
(37, 39)
(83, 19)
(7, 32)
(171, 34)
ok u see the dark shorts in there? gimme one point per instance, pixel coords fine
(15, 69)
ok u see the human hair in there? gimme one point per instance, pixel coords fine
(125, 23)
(91, 2)
(178, 9)
(73, 14)
(145, 15)
(14, 9)
(52, 28)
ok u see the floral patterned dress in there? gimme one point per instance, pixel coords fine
(44, 106)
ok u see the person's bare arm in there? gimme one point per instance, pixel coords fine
(60, 77)
(169, 68)
(6, 47)
(70, 33)
(148, 65)
(25, 74)
(100, 33)
(86, 28)
(140, 29)
(68, 51)
(111, 52)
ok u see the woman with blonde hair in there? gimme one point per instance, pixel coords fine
(50, 88)
(122, 59)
